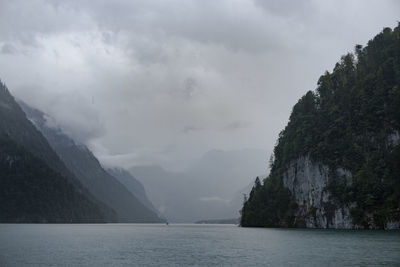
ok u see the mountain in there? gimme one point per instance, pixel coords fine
(208, 190)
(337, 162)
(169, 192)
(35, 184)
(133, 185)
(85, 166)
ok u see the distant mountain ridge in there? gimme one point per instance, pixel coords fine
(133, 185)
(80, 160)
(211, 189)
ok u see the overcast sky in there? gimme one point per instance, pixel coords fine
(162, 82)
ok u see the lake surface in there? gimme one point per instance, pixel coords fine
(192, 245)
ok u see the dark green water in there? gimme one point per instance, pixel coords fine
(192, 245)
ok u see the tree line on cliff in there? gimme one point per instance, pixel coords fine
(351, 121)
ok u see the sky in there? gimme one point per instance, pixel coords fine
(163, 82)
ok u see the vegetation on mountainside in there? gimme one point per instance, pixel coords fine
(35, 185)
(89, 172)
(352, 121)
(32, 192)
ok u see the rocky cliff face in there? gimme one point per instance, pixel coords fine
(317, 208)
(307, 181)
(394, 139)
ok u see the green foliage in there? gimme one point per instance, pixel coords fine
(348, 122)
(269, 205)
(30, 191)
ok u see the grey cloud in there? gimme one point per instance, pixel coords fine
(222, 22)
(70, 111)
(8, 49)
(288, 8)
(190, 85)
(190, 128)
(235, 125)
(24, 21)
(164, 81)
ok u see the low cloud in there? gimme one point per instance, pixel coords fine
(236, 125)
(190, 128)
(165, 81)
(8, 49)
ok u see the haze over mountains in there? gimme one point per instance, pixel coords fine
(90, 173)
(134, 186)
(211, 189)
(36, 186)
(46, 176)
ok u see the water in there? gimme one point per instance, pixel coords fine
(192, 245)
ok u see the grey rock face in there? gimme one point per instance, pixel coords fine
(307, 181)
(394, 138)
(392, 225)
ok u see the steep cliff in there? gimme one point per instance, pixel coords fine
(307, 181)
(337, 162)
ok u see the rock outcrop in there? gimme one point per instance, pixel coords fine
(307, 181)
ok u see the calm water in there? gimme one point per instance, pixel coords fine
(192, 245)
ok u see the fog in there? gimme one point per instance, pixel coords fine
(164, 82)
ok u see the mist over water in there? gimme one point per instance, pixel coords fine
(192, 245)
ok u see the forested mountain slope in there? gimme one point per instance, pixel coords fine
(337, 162)
(85, 166)
(35, 184)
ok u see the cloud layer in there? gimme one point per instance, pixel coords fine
(162, 82)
